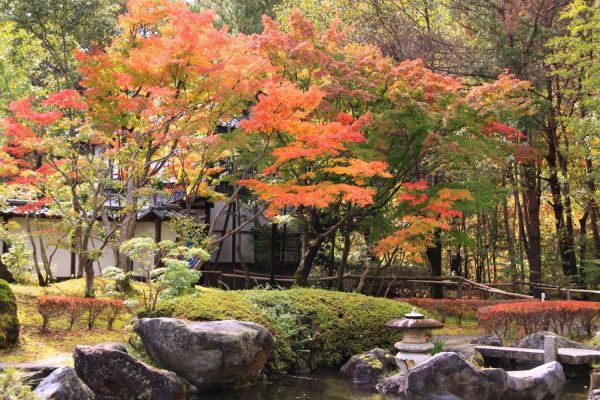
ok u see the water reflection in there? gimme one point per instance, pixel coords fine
(329, 385)
(321, 386)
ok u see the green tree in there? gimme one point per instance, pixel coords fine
(243, 16)
(61, 27)
(19, 54)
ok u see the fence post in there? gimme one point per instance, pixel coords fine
(550, 349)
(459, 289)
(568, 294)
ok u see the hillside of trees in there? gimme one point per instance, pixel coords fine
(425, 137)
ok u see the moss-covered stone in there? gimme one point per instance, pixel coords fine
(9, 324)
(313, 327)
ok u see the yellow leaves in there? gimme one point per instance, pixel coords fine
(359, 168)
(453, 195)
(505, 93)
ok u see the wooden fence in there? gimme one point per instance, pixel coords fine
(237, 280)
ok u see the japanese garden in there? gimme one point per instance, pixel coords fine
(283, 199)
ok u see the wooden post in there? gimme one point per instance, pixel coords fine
(459, 289)
(550, 348)
(568, 294)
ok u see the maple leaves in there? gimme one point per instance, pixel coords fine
(328, 120)
(25, 135)
(312, 153)
(415, 230)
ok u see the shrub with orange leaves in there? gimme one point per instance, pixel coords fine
(527, 317)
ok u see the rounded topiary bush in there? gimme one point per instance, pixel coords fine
(313, 327)
(9, 324)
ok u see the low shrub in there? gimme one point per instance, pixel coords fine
(73, 308)
(313, 327)
(532, 316)
(457, 308)
(9, 323)
(12, 388)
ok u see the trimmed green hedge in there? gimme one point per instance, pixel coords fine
(9, 324)
(313, 327)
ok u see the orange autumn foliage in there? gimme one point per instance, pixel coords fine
(308, 168)
(416, 229)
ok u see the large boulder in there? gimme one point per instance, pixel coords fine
(447, 376)
(63, 384)
(112, 374)
(367, 368)
(9, 324)
(210, 355)
(545, 382)
(536, 341)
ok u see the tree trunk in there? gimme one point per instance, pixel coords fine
(127, 229)
(343, 262)
(363, 277)
(434, 255)
(533, 226)
(583, 244)
(34, 252)
(510, 245)
(592, 206)
(88, 266)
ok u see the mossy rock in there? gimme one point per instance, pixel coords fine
(313, 327)
(9, 324)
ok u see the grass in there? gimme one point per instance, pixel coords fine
(451, 327)
(35, 345)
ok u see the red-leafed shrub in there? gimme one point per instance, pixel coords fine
(50, 307)
(94, 307)
(457, 308)
(73, 308)
(115, 307)
(531, 316)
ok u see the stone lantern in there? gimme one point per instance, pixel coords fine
(416, 345)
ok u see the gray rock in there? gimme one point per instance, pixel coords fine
(391, 384)
(63, 384)
(113, 374)
(368, 367)
(487, 340)
(536, 341)
(545, 382)
(468, 353)
(210, 355)
(447, 376)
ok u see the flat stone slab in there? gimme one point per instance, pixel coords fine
(565, 356)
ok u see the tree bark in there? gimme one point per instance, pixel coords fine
(343, 262)
(434, 255)
(510, 245)
(533, 225)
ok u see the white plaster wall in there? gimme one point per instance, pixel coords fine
(227, 251)
(62, 257)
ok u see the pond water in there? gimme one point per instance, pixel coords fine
(329, 385)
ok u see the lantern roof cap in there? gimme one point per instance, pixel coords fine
(414, 320)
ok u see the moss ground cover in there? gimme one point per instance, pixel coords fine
(36, 345)
(9, 324)
(313, 327)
